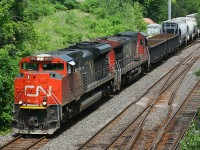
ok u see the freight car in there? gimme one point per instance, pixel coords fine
(160, 46)
(55, 86)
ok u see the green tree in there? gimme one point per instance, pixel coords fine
(182, 8)
(154, 9)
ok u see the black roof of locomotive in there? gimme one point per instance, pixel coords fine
(115, 38)
(70, 54)
(83, 49)
(123, 37)
(131, 34)
(96, 48)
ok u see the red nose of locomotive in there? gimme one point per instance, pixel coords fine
(38, 95)
(36, 89)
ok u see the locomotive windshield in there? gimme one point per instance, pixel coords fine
(53, 66)
(30, 66)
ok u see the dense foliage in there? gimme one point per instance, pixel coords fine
(113, 16)
(35, 26)
(15, 30)
(192, 136)
(183, 8)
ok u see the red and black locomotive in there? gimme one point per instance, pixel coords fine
(55, 86)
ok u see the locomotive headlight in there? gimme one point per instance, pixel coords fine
(20, 102)
(44, 103)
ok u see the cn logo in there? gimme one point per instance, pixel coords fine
(38, 89)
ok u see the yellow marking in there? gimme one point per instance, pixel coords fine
(32, 107)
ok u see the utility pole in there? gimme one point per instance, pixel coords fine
(169, 9)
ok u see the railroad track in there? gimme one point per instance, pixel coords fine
(118, 133)
(25, 143)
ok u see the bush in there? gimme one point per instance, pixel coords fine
(89, 6)
(197, 73)
(192, 138)
(37, 8)
(59, 6)
(72, 37)
(70, 4)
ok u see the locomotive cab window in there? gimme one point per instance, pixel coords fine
(53, 66)
(70, 69)
(30, 66)
(141, 42)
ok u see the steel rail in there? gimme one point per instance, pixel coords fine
(38, 141)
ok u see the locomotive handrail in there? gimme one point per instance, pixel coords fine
(18, 94)
(57, 103)
(55, 98)
(112, 66)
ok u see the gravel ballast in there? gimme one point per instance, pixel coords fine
(5, 139)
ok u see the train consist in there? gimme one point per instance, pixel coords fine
(55, 86)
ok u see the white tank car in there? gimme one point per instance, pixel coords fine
(176, 26)
(194, 19)
(190, 26)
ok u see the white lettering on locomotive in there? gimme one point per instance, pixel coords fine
(38, 89)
